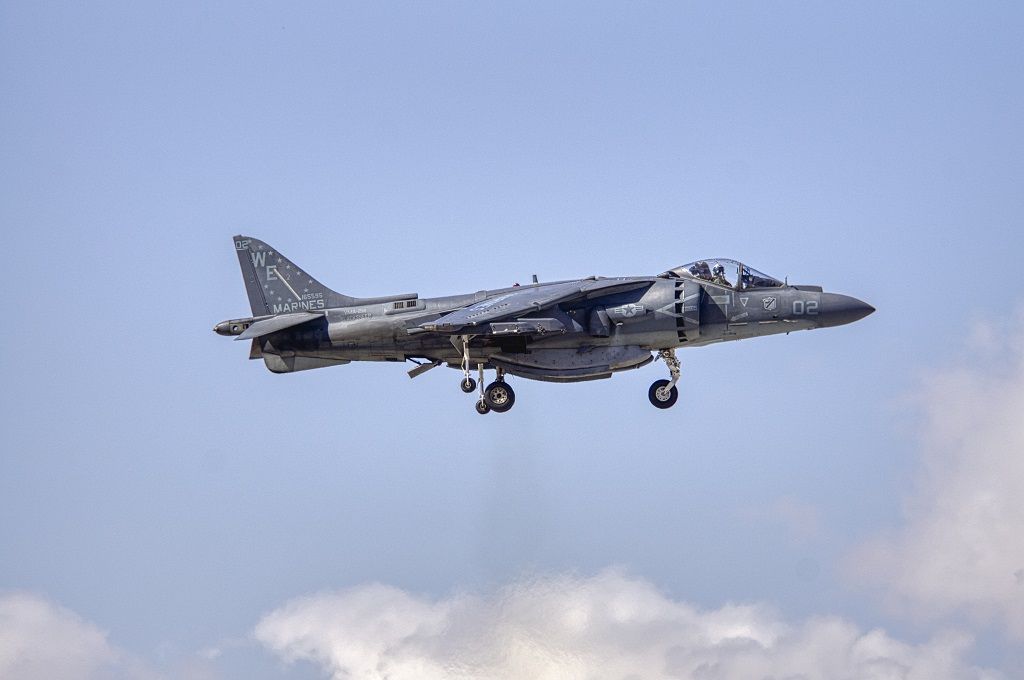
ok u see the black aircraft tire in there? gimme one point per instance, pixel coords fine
(482, 408)
(467, 385)
(652, 394)
(500, 396)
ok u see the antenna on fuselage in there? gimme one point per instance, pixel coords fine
(535, 279)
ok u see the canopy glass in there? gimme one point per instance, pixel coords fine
(725, 272)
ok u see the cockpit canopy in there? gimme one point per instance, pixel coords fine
(724, 272)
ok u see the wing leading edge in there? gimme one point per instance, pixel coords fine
(512, 305)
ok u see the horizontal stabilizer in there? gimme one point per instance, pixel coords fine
(277, 323)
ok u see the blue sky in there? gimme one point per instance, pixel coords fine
(171, 494)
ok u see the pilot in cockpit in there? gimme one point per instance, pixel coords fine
(701, 270)
(718, 275)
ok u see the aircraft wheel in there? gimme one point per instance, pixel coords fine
(499, 396)
(482, 408)
(467, 385)
(661, 397)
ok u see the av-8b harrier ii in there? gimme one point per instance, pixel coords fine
(562, 331)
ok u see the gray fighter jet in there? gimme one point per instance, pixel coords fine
(562, 331)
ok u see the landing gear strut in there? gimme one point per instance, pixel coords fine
(467, 384)
(663, 393)
(498, 396)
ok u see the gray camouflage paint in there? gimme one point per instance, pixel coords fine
(563, 331)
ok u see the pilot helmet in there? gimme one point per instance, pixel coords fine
(718, 269)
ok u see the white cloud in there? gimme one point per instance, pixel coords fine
(961, 546)
(40, 640)
(605, 626)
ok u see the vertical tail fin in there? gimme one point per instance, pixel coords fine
(275, 285)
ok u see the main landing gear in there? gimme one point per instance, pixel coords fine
(498, 396)
(663, 393)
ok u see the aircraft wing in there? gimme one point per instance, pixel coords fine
(513, 304)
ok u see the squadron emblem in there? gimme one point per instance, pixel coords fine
(769, 304)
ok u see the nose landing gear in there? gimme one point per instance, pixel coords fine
(663, 393)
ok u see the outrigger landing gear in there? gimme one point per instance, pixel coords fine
(663, 393)
(467, 384)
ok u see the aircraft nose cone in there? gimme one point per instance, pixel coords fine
(837, 310)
